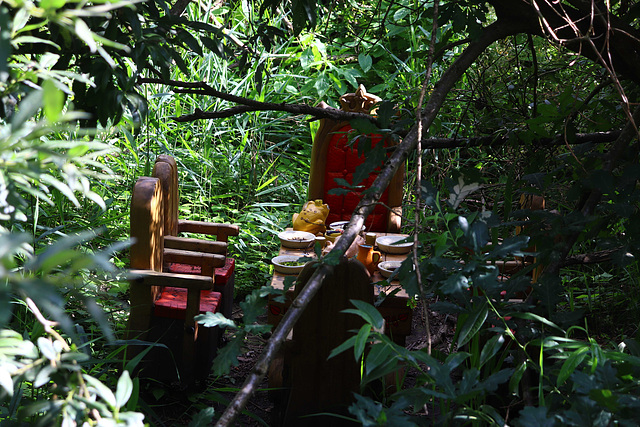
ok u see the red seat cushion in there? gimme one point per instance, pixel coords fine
(172, 303)
(223, 274)
(342, 161)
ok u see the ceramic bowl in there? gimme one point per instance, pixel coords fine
(288, 264)
(390, 245)
(296, 239)
(388, 267)
(332, 235)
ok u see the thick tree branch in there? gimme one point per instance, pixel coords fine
(248, 104)
(490, 34)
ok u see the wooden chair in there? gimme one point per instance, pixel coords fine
(166, 170)
(163, 305)
(332, 158)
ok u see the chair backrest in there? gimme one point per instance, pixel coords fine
(332, 157)
(147, 230)
(166, 170)
(147, 225)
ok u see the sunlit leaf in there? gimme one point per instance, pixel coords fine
(365, 62)
(460, 191)
(123, 389)
(102, 390)
(211, 320)
(85, 34)
(5, 381)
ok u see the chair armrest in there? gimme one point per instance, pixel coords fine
(195, 245)
(193, 284)
(207, 262)
(156, 278)
(222, 231)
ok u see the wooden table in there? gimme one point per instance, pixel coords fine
(394, 309)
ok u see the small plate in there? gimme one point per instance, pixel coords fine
(296, 239)
(389, 244)
(282, 264)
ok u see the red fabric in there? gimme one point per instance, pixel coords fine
(223, 274)
(172, 303)
(342, 161)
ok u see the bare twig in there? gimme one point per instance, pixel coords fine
(418, 191)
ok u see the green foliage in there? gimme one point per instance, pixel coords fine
(69, 73)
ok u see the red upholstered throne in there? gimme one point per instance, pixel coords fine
(333, 157)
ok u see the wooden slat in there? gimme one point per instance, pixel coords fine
(197, 245)
(222, 231)
(188, 281)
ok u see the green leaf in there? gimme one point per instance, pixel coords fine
(368, 312)
(460, 191)
(228, 355)
(531, 316)
(26, 109)
(52, 100)
(214, 45)
(473, 323)
(606, 398)
(43, 377)
(102, 390)
(379, 354)
(5, 380)
(509, 246)
(203, 418)
(85, 34)
(186, 38)
(46, 348)
(374, 159)
(456, 283)
(365, 62)
(491, 348)
(535, 416)
(123, 389)
(364, 126)
(33, 40)
(211, 320)
(571, 363)
(514, 382)
(322, 84)
(350, 342)
(361, 340)
(52, 4)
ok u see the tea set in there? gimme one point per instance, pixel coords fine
(309, 228)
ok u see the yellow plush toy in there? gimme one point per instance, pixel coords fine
(311, 219)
